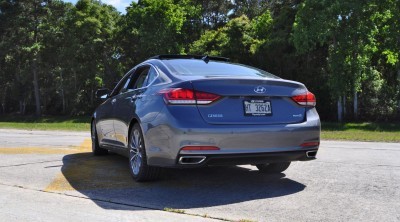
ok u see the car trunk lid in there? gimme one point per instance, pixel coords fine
(251, 101)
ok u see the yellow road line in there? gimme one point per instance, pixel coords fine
(85, 146)
(93, 173)
(81, 171)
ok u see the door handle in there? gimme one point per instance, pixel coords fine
(134, 97)
(113, 101)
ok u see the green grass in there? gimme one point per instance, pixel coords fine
(379, 132)
(179, 211)
(382, 132)
(46, 123)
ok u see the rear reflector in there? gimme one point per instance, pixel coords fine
(307, 99)
(200, 148)
(179, 96)
(309, 144)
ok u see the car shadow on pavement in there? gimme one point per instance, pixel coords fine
(106, 179)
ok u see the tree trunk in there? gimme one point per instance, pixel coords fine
(20, 107)
(398, 78)
(63, 102)
(62, 94)
(20, 94)
(34, 66)
(36, 88)
(340, 109)
(344, 107)
(3, 101)
(355, 105)
(91, 97)
(23, 107)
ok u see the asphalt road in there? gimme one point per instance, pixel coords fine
(52, 176)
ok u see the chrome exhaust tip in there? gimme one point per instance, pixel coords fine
(191, 159)
(311, 154)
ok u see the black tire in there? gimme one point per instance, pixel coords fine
(96, 149)
(273, 167)
(138, 167)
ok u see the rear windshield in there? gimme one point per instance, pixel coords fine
(196, 67)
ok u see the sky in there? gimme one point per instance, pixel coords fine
(120, 5)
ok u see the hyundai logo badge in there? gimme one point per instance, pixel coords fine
(260, 89)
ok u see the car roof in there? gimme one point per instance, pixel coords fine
(205, 58)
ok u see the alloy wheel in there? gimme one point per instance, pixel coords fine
(135, 152)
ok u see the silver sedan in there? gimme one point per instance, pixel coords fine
(194, 111)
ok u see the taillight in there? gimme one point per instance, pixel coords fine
(307, 99)
(179, 96)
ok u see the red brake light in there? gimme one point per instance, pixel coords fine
(307, 99)
(181, 96)
(205, 98)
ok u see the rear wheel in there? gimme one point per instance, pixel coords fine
(96, 149)
(273, 167)
(139, 169)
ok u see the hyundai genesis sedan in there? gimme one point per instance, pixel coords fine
(181, 111)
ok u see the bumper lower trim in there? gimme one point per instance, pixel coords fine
(243, 159)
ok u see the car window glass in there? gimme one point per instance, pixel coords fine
(191, 67)
(120, 86)
(141, 80)
(138, 78)
(151, 76)
(125, 85)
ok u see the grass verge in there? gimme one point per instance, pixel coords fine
(46, 123)
(179, 211)
(378, 132)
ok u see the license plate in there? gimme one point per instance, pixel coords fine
(257, 108)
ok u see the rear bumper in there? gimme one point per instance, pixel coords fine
(238, 144)
(188, 161)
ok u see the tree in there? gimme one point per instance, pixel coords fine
(24, 20)
(350, 31)
(153, 27)
(233, 41)
(89, 44)
(65, 51)
(250, 8)
(214, 13)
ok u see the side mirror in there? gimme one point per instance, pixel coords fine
(102, 93)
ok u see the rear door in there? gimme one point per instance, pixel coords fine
(104, 115)
(133, 101)
(251, 101)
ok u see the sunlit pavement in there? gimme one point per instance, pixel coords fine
(53, 176)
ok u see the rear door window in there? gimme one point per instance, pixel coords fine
(144, 77)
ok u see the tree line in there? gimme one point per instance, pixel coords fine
(54, 55)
